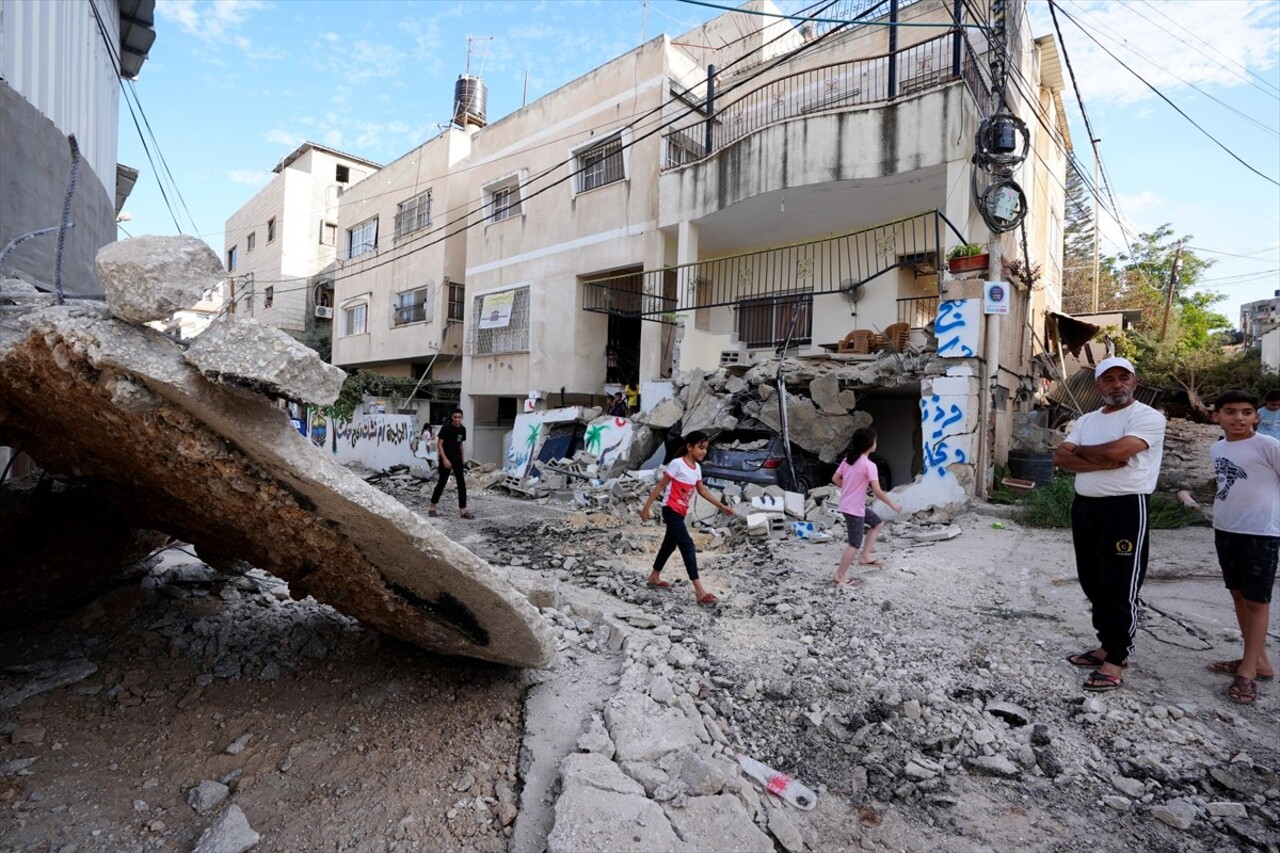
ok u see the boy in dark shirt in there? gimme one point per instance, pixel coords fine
(451, 443)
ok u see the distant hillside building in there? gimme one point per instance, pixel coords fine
(1257, 317)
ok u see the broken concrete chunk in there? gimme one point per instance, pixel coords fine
(207, 796)
(825, 392)
(243, 352)
(664, 415)
(718, 823)
(149, 278)
(230, 833)
(225, 472)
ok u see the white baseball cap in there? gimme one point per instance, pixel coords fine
(1114, 361)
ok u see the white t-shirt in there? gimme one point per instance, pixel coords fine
(684, 480)
(1248, 498)
(1140, 473)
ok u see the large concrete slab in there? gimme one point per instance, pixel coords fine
(93, 397)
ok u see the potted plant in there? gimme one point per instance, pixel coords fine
(967, 257)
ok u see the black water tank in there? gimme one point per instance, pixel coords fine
(470, 99)
(1033, 465)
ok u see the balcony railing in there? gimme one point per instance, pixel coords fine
(917, 311)
(838, 86)
(829, 265)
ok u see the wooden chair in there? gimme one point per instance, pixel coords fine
(897, 337)
(858, 342)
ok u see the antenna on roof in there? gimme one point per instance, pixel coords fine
(471, 49)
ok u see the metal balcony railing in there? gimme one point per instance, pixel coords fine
(811, 268)
(838, 86)
(917, 311)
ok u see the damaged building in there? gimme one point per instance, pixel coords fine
(794, 192)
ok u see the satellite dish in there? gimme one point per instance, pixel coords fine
(851, 290)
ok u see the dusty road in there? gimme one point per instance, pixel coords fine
(930, 708)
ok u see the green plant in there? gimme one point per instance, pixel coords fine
(966, 250)
(362, 383)
(1050, 506)
(1000, 493)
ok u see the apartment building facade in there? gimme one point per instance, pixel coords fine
(1257, 317)
(657, 216)
(280, 247)
(400, 272)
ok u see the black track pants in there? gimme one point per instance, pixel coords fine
(456, 471)
(677, 537)
(1110, 536)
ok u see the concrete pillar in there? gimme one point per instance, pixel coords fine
(698, 346)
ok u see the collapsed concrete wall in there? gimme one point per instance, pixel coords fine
(94, 398)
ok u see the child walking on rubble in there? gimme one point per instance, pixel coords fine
(855, 474)
(681, 478)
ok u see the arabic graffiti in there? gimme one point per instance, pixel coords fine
(957, 328)
(942, 448)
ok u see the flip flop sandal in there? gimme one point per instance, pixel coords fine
(1230, 667)
(1100, 682)
(465, 514)
(848, 582)
(1084, 660)
(658, 584)
(433, 513)
(1243, 691)
(708, 600)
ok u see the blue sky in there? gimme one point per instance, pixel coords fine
(233, 86)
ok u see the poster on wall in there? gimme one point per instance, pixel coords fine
(495, 310)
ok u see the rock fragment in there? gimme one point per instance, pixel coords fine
(230, 833)
(149, 278)
(248, 354)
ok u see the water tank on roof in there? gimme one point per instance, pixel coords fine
(470, 97)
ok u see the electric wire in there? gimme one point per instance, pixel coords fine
(1165, 69)
(1257, 79)
(115, 64)
(1163, 97)
(636, 139)
(474, 207)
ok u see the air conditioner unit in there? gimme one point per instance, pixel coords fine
(324, 312)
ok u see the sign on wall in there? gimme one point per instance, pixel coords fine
(995, 297)
(495, 310)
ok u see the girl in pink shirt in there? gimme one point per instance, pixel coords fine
(855, 474)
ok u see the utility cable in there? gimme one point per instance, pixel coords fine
(634, 141)
(1274, 93)
(1163, 97)
(806, 18)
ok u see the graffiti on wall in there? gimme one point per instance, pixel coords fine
(377, 442)
(528, 434)
(957, 327)
(943, 421)
(607, 438)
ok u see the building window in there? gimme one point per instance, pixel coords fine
(363, 238)
(413, 215)
(410, 307)
(765, 322)
(511, 337)
(268, 297)
(231, 259)
(503, 199)
(271, 230)
(342, 174)
(457, 300)
(328, 233)
(355, 320)
(599, 164)
(250, 242)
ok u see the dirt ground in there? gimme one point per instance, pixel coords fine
(359, 742)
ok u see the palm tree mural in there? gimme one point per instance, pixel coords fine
(593, 438)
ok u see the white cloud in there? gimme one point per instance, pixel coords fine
(1207, 43)
(208, 21)
(249, 177)
(284, 137)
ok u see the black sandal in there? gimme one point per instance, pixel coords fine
(1099, 682)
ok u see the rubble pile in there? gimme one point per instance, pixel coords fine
(874, 698)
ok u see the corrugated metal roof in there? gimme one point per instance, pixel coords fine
(1079, 394)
